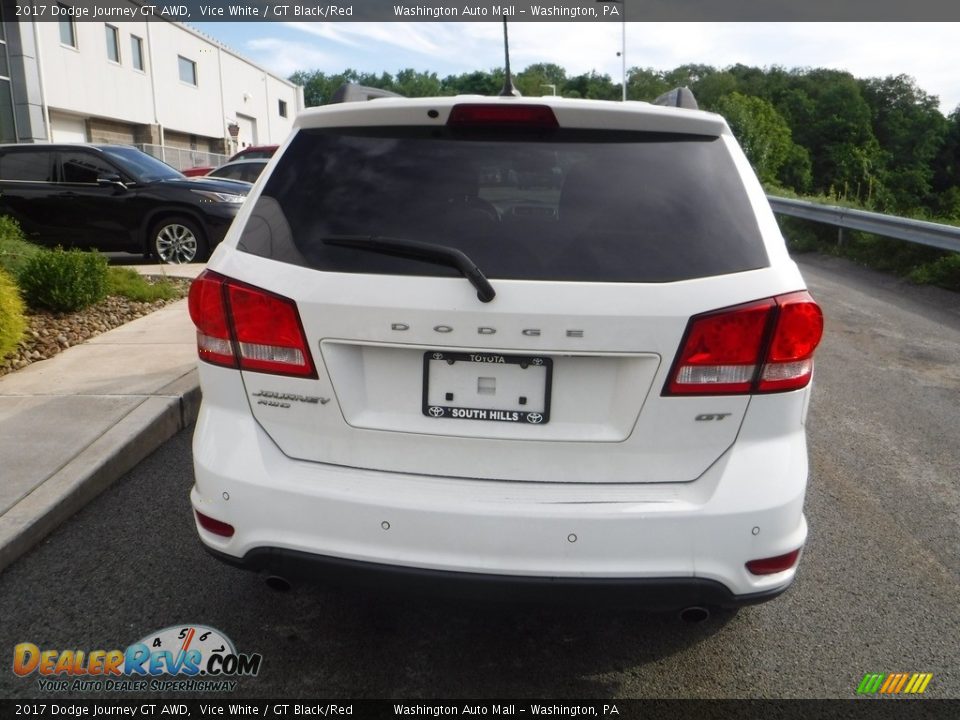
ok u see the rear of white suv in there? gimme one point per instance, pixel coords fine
(511, 341)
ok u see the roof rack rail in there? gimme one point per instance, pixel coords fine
(352, 92)
(681, 97)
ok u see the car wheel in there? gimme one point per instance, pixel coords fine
(177, 241)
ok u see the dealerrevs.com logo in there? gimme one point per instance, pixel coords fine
(204, 659)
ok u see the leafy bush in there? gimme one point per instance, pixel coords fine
(14, 249)
(887, 254)
(944, 272)
(12, 322)
(131, 284)
(800, 236)
(64, 280)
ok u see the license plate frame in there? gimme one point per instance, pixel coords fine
(534, 415)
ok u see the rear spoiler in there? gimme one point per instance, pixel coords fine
(352, 92)
(681, 97)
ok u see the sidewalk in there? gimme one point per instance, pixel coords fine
(72, 425)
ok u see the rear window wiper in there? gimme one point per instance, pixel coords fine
(427, 252)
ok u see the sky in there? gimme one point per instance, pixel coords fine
(929, 52)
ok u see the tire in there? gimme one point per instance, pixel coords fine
(178, 240)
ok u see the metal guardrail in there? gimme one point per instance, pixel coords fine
(945, 237)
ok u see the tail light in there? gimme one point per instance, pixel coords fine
(241, 326)
(769, 566)
(760, 347)
(208, 311)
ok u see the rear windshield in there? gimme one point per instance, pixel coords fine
(561, 205)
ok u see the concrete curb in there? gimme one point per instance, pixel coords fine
(74, 424)
(131, 439)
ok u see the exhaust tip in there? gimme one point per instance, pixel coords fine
(695, 614)
(277, 583)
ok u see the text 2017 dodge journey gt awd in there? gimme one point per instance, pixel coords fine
(514, 341)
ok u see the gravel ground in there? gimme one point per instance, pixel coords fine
(51, 333)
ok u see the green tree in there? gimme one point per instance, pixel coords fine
(946, 178)
(411, 83)
(796, 172)
(710, 89)
(645, 84)
(911, 133)
(832, 120)
(761, 131)
(533, 80)
(688, 75)
(593, 86)
(474, 83)
(318, 87)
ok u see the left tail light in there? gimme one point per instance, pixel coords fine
(245, 327)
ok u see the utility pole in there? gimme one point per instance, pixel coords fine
(623, 50)
(623, 43)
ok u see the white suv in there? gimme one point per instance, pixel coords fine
(521, 342)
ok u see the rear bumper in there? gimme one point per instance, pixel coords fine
(648, 593)
(686, 542)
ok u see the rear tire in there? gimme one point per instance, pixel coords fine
(178, 240)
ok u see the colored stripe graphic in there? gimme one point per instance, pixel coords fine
(894, 683)
(870, 683)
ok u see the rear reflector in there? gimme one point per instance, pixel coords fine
(239, 325)
(216, 527)
(503, 114)
(763, 346)
(769, 566)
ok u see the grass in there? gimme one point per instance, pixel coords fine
(131, 284)
(15, 251)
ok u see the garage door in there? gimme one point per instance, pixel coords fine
(68, 128)
(248, 131)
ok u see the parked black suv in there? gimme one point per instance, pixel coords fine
(114, 197)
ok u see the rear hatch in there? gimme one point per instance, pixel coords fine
(601, 234)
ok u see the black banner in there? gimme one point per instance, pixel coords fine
(865, 709)
(487, 10)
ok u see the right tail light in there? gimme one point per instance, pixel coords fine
(761, 347)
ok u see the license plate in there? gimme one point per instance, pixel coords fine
(487, 386)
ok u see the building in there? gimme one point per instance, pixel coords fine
(159, 85)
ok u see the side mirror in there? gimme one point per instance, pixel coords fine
(114, 181)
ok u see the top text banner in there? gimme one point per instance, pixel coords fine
(486, 11)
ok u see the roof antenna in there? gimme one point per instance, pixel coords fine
(509, 90)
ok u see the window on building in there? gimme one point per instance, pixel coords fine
(283, 108)
(68, 30)
(136, 52)
(113, 43)
(188, 70)
(8, 126)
